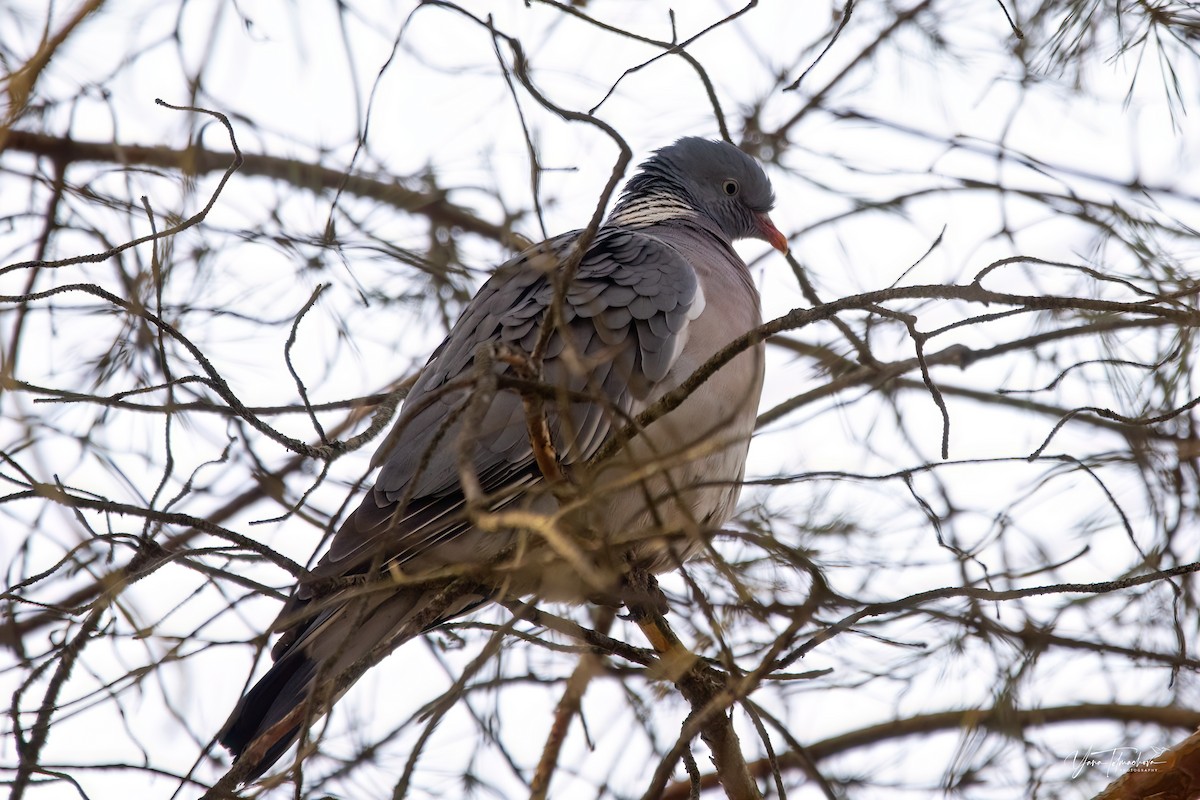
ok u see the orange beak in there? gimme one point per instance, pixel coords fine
(771, 234)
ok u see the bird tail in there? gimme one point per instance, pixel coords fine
(259, 717)
(323, 659)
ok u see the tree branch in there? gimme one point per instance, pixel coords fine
(196, 160)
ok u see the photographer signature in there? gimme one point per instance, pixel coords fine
(1115, 760)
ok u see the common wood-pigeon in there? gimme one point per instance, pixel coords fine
(657, 293)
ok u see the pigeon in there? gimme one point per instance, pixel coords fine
(517, 460)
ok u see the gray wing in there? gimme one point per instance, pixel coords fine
(625, 321)
(627, 311)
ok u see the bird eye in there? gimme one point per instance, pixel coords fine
(730, 187)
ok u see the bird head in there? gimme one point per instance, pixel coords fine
(718, 180)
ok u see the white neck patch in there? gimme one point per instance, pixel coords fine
(650, 209)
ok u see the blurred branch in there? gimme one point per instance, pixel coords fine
(29, 748)
(268, 485)
(212, 378)
(980, 593)
(1007, 720)
(569, 705)
(887, 375)
(231, 166)
(21, 82)
(817, 99)
(197, 160)
(672, 47)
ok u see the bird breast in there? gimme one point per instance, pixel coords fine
(660, 498)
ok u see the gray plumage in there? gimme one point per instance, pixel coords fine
(657, 293)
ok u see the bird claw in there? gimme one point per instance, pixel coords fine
(640, 594)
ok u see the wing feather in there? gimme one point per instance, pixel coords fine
(626, 316)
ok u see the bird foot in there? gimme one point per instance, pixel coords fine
(639, 592)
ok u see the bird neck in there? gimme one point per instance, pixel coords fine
(642, 210)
